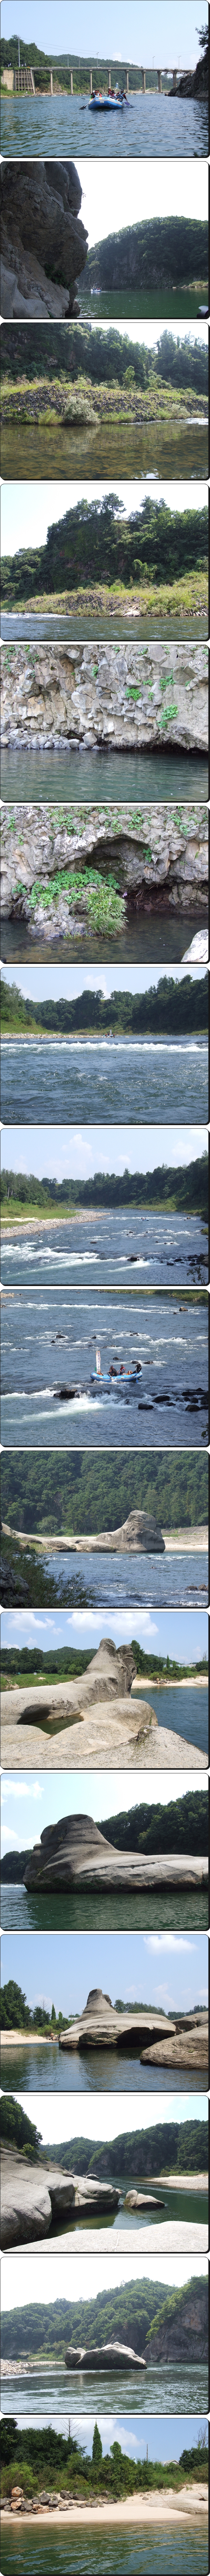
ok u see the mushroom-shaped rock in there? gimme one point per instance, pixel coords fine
(104, 2356)
(75, 1850)
(102, 2026)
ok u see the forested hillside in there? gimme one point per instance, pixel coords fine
(78, 1492)
(68, 350)
(95, 541)
(167, 1008)
(127, 2312)
(184, 1186)
(180, 1826)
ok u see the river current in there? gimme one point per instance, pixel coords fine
(161, 2390)
(59, 1078)
(52, 1340)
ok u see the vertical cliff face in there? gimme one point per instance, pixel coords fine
(182, 2332)
(43, 242)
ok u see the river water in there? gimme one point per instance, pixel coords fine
(162, 448)
(164, 1248)
(30, 773)
(161, 127)
(147, 939)
(171, 1343)
(73, 625)
(102, 303)
(84, 1582)
(167, 2552)
(107, 1910)
(61, 1078)
(161, 2390)
(48, 2069)
(190, 2206)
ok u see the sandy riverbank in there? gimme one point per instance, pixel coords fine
(136, 2510)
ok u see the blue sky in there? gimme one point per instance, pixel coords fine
(47, 983)
(57, 2118)
(110, 25)
(29, 509)
(29, 1804)
(167, 2436)
(54, 2276)
(77, 1152)
(183, 1633)
(143, 1968)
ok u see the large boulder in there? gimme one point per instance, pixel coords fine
(104, 2356)
(32, 2198)
(187, 2046)
(43, 243)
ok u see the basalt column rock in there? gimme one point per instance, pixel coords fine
(43, 242)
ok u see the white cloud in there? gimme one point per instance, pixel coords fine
(20, 1789)
(154, 1942)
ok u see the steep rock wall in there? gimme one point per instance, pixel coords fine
(40, 233)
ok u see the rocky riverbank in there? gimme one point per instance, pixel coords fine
(158, 859)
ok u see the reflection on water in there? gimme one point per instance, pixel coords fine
(102, 1910)
(165, 128)
(163, 448)
(61, 1077)
(30, 773)
(50, 2069)
(161, 2552)
(147, 939)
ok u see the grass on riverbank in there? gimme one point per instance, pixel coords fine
(187, 597)
(49, 400)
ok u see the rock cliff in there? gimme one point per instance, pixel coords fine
(43, 243)
(52, 698)
(183, 2334)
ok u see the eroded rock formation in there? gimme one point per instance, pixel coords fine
(43, 242)
(184, 2333)
(51, 697)
(32, 2198)
(103, 2356)
(75, 1852)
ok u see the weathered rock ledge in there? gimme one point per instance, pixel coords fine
(32, 2197)
(140, 1533)
(161, 864)
(43, 244)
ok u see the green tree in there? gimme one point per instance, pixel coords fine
(97, 2448)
